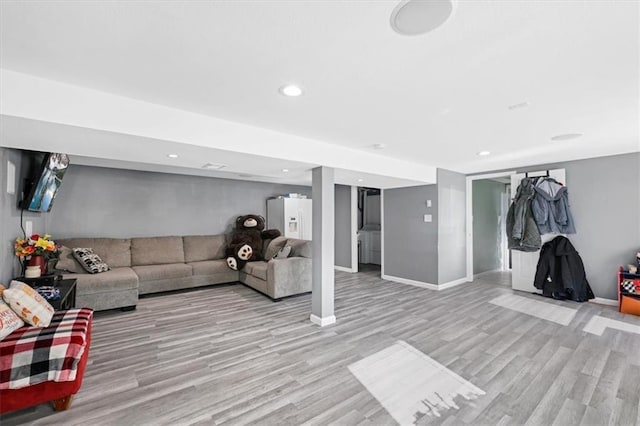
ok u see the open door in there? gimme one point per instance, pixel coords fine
(524, 264)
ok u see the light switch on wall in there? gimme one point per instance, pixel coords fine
(428, 218)
(28, 228)
(11, 178)
(428, 203)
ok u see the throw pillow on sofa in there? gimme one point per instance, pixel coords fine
(9, 320)
(90, 261)
(66, 261)
(274, 247)
(28, 304)
(283, 253)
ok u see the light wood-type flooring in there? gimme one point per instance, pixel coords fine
(228, 355)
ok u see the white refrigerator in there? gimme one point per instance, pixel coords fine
(292, 216)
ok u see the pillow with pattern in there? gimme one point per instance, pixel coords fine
(9, 320)
(28, 304)
(90, 261)
(283, 253)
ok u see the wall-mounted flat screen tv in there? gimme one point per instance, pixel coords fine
(44, 181)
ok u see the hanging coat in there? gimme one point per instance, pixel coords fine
(522, 231)
(560, 272)
(551, 207)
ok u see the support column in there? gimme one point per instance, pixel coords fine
(323, 246)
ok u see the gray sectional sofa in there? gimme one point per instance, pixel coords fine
(155, 264)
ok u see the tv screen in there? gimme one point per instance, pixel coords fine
(45, 183)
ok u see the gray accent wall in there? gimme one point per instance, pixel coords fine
(604, 194)
(487, 198)
(343, 226)
(103, 202)
(410, 244)
(452, 238)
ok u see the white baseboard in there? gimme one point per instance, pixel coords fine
(603, 301)
(410, 282)
(343, 269)
(452, 283)
(322, 322)
(421, 284)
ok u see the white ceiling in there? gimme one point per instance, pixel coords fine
(435, 100)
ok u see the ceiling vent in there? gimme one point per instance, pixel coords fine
(213, 166)
(415, 17)
(566, 136)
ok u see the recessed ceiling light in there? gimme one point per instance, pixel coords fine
(566, 136)
(379, 146)
(285, 170)
(415, 17)
(518, 106)
(214, 166)
(172, 155)
(291, 90)
(483, 153)
(360, 180)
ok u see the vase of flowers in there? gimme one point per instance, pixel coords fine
(36, 250)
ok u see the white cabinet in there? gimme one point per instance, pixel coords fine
(370, 247)
(292, 216)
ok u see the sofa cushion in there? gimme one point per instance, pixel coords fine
(204, 247)
(90, 261)
(274, 247)
(300, 248)
(257, 269)
(66, 262)
(9, 320)
(209, 267)
(113, 280)
(156, 251)
(32, 308)
(115, 252)
(162, 272)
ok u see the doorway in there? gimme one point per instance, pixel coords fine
(488, 229)
(490, 203)
(369, 230)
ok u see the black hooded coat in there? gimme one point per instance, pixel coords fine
(560, 272)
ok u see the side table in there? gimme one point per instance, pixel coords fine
(67, 288)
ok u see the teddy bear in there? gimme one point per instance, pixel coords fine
(247, 239)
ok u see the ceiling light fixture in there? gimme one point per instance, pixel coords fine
(566, 136)
(285, 170)
(483, 153)
(379, 146)
(291, 90)
(360, 180)
(415, 17)
(172, 155)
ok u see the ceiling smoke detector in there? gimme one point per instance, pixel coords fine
(379, 146)
(415, 17)
(213, 166)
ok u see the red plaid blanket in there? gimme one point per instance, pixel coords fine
(31, 355)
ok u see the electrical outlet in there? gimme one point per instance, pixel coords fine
(428, 218)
